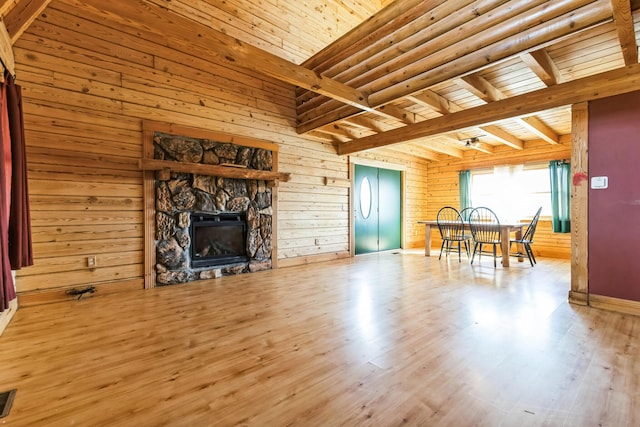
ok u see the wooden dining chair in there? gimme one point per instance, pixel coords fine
(527, 240)
(485, 229)
(452, 231)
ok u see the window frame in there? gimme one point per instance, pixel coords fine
(545, 216)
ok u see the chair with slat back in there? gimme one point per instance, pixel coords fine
(464, 213)
(527, 240)
(485, 229)
(451, 229)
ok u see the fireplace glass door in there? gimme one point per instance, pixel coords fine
(218, 239)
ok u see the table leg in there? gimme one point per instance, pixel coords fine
(505, 234)
(519, 246)
(427, 240)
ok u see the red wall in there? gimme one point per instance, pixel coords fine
(614, 213)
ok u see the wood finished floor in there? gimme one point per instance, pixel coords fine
(379, 340)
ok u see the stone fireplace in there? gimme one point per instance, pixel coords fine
(210, 226)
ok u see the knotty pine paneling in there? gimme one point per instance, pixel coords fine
(443, 186)
(88, 84)
(292, 30)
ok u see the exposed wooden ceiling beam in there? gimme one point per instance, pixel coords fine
(418, 151)
(610, 83)
(503, 136)
(457, 60)
(408, 44)
(153, 22)
(434, 39)
(625, 28)
(22, 16)
(486, 91)
(444, 106)
(5, 5)
(480, 87)
(438, 103)
(369, 123)
(6, 51)
(448, 149)
(543, 66)
(341, 131)
(482, 147)
(400, 114)
(378, 26)
(538, 127)
(461, 60)
(372, 61)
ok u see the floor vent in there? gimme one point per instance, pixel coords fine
(6, 399)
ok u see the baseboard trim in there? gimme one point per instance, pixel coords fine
(615, 304)
(290, 262)
(47, 296)
(578, 298)
(7, 315)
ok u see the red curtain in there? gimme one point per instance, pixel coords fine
(20, 251)
(15, 219)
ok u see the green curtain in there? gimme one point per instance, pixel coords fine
(465, 189)
(559, 172)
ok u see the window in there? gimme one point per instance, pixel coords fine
(512, 192)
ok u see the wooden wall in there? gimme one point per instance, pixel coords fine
(442, 183)
(87, 86)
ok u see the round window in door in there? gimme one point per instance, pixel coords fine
(365, 198)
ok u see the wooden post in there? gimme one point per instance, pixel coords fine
(579, 293)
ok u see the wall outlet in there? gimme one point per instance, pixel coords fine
(92, 261)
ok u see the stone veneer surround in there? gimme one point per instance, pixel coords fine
(184, 193)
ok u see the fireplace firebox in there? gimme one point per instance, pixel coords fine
(218, 239)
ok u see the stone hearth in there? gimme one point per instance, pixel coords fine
(183, 193)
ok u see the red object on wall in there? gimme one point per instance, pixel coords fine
(578, 178)
(614, 212)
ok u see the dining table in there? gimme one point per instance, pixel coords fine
(505, 235)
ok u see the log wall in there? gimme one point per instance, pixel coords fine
(87, 87)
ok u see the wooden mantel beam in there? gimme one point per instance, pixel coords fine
(212, 170)
(610, 83)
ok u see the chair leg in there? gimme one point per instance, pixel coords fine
(532, 259)
(459, 258)
(475, 247)
(442, 248)
(531, 252)
(495, 255)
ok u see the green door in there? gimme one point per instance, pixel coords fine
(389, 229)
(366, 209)
(377, 202)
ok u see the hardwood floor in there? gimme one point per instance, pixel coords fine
(383, 339)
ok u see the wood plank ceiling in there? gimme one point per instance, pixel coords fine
(438, 78)
(434, 78)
